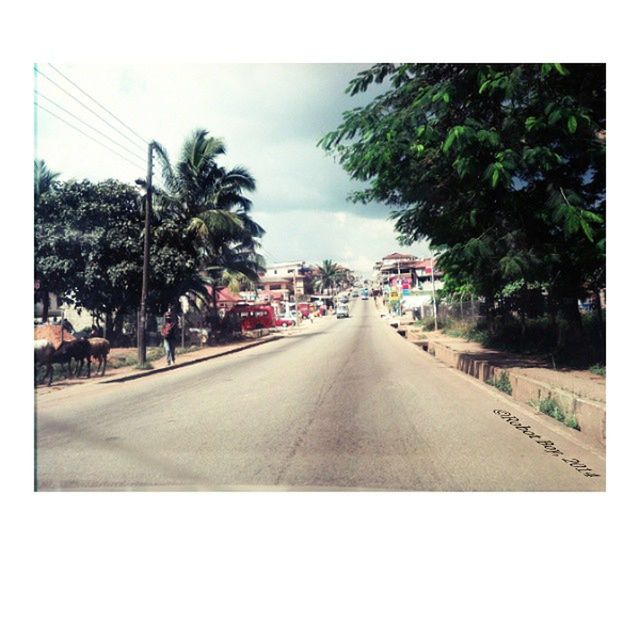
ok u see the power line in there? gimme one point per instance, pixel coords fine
(124, 124)
(86, 107)
(86, 124)
(88, 136)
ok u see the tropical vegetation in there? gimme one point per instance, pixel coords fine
(89, 236)
(500, 166)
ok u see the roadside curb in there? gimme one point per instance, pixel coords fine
(149, 372)
(590, 414)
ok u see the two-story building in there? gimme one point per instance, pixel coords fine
(284, 281)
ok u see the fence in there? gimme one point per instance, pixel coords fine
(468, 310)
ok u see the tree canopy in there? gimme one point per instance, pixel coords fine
(88, 249)
(500, 166)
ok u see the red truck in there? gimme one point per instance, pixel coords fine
(249, 317)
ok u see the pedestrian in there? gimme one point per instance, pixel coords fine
(169, 334)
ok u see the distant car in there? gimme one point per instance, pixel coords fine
(285, 322)
(343, 299)
(342, 311)
(354, 294)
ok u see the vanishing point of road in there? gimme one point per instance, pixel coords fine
(344, 405)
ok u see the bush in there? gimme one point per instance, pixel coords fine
(551, 408)
(502, 383)
(537, 337)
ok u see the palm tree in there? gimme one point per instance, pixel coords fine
(211, 202)
(328, 276)
(43, 179)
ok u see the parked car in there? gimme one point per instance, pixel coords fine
(342, 311)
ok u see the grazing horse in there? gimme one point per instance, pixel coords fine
(43, 352)
(79, 349)
(100, 348)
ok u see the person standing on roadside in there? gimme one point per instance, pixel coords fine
(169, 330)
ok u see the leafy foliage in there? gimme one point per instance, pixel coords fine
(88, 248)
(501, 166)
(209, 204)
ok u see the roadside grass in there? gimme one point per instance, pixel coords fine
(130, 358)
(599, 370)
(153, 353)
(502, 383)
(551, 408)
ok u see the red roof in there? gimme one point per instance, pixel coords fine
(223, 294)
(399, 256)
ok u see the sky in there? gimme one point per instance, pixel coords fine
(270, 116)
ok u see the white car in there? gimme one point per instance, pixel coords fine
(342, 311)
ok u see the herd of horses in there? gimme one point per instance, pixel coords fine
(53, 344)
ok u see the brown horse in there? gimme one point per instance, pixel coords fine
(100, 348)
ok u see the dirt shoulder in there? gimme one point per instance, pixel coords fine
(577, 381)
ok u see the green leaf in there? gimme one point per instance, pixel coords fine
(572, 124)
(555, 116)
(495, 176)
(587, 230)
(530, 123)
(560, 69)
(484, 86)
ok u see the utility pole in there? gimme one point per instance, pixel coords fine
(142, 320)
(433, 293)
(295, 295)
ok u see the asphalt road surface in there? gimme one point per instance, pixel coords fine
(345, 405)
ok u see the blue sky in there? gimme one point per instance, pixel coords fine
(270, 116)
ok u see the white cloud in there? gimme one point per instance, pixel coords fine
(341, 236)
(270, 117)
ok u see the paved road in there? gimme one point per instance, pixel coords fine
(346, 405)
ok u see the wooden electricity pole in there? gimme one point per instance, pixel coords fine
(142, 320)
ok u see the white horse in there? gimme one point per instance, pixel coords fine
(43, 351)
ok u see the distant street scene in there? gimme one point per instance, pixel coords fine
(256, 281)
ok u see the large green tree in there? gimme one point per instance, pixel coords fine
(88, 249)
(500, 166)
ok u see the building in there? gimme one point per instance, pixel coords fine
(406, 271)
(284, 281)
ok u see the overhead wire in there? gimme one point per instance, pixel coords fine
(44, 75)
(86, 124)
(88, 136)
(124, 124)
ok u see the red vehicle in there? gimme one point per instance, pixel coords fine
(305, 309)
(248, 317)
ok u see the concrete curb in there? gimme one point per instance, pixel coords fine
(149, 372)
(590, 414)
